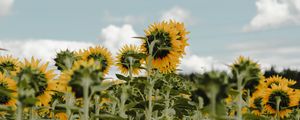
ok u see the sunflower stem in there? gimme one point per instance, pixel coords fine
(31, 116)
(149, 71)
(278, 100)
(130, 69)
(19, 110)
(122, 107)
(167, 103)
(86, 101)
(298, 114)
(69, 103)
(213, 95)
(240, 97)
(248, 97)
(97, 106)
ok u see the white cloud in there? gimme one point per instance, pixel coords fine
(195, 63)
(282, 54)
(44, 49)
(176, 13)
(5, 7)
(114, 37)
(274, 13)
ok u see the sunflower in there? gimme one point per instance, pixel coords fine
(251, 72)
(276, 80)
(10, 85)
(61, 116)
(38, 77)
(79, 72)
(8, 63)
(256, 104)
(126, 54)
(99, 54)
(182, 33)
(288, 98)
(65, 59)
(168, 49)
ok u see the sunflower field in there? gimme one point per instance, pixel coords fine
(149, 88)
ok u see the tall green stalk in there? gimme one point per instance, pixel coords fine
(166, 112)
(19, 110)
(31, 114)
(213, 96)
(69, 102)
(149, 71)
(124, 96)
(278, 100)
(240, 97)
(97, 105)
(86, 101)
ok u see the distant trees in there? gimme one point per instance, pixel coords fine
(287, 73)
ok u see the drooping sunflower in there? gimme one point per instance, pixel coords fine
(167, 49)
(288, 99)
(32, 74)
(8, 64)
(256, 103)
(11, 86)
(129, 57)
(99, 54)
(278, 80)
(182, 33)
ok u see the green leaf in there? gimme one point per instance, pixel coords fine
(101, 87)
(139, 55)
(121, 77)
(130, 105)
(108, 117)
(233, 92)
(73, 108)
(5, 108)
(4, 91)
(249, 116)
(29, 101)
(142, 38)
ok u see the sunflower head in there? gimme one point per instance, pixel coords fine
(99, 54)
(57, 97)
(129, 56)
(35, 81)
(8, 64)
(256, 103)
(250, 70)
(282, 94)
(61, 116)
(182, 33)
(82, 71)
(65, 59)
(9, 86)
(278, 80)
(166, 48)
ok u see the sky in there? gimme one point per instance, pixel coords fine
(267, 31)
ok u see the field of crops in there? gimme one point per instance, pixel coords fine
(149, 88)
